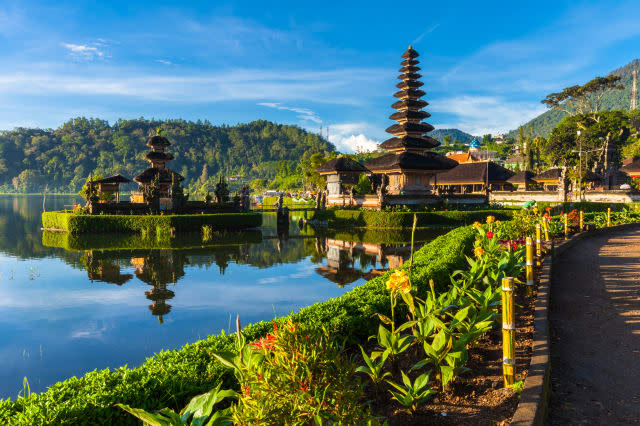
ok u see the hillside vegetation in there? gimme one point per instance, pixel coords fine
(63, 158)
(614, 100)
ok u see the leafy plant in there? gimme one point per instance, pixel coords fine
(411, 394)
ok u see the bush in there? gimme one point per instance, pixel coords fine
(288, 202)
(172, 378)
(92, 224)
(381, 219)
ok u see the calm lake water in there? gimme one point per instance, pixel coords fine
(106, 301)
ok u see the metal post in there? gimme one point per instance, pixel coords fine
(581, 220)
(566, 226)
(508, 333)
(608, 216)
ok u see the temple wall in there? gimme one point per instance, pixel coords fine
(508, 197)
(373, 202)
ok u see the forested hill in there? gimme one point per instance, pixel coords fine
(617, 99)
(64, 157)
(455, 134)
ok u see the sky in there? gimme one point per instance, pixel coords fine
(485, 65)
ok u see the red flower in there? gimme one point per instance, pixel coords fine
(266, 342)
(303, 385)
(489, 234)
(246, 391)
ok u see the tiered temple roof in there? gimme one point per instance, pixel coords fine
(341, 164)
(158, 159)
(409, 143)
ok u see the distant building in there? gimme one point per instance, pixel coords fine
(499, 139)
(477, 177)
(340, 171)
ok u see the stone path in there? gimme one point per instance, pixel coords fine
(595, 332)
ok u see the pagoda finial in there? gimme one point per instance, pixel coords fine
(410, 47)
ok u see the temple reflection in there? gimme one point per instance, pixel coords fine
(349, 261)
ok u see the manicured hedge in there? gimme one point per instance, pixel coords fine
(92, 224)
(287, 201)
(382, 219)
(121, 241)
(588, 206)
(171, 378)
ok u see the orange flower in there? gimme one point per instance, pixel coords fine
(399, 281)
(491, 219)
(479, 251)
(476, 225)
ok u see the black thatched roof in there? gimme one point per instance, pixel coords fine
(411, 93)
(341, 165)
(409, 84)
(417, 115)
(551, 174)
(410, 53)
(522, 178)
(424, 142)
(408, 76)
(158, 141)
(166, 175)
(410, 104)
(409, 62)
(409, 69)
(631, 165)
(410, 161)
(410, 128)
(158, 156)
(475, 173)
(113, 179)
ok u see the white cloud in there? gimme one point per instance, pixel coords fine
(85, 51)
(350, 137)
(303, 113)
(480, 115)
(163, 61)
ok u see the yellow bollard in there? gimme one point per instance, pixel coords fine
(609, 216)
(538, 245)
(545, 224)
(581, 221)
(508, 333)
(566, 226)
(529, 262)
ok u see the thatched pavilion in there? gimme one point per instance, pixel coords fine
(631, 167)
(549, 179)
(523, 180)
(110, 185)
(158, 159)
(469, 178)
(409, 167)
(340, 171)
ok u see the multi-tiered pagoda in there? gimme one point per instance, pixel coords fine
(158, 159)
(409, 167)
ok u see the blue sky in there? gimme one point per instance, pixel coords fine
(486, 65)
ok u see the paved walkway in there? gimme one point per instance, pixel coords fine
(595, 332)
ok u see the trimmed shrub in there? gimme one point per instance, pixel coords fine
(172, 378)
(381, 219)
(92, 224)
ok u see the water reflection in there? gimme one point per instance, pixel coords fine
(86, 302)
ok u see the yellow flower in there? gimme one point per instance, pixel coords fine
(476, 225)
(479, 251)
(399, 281)
(497, 222)
(491, 219)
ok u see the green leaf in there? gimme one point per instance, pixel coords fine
(226, 358)
(405, 379)
(145, 416)
(406, 325)
(421, 381)
(439, 341)
(446, 374)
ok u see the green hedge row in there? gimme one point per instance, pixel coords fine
(171, 378)
(288, 201)
(381, 219)
(587, 206)
(120, 241)
(81, 223)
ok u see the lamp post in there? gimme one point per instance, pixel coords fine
(579, 165)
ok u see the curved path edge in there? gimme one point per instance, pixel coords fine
(534, 401)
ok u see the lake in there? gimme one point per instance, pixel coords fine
(107, 301)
